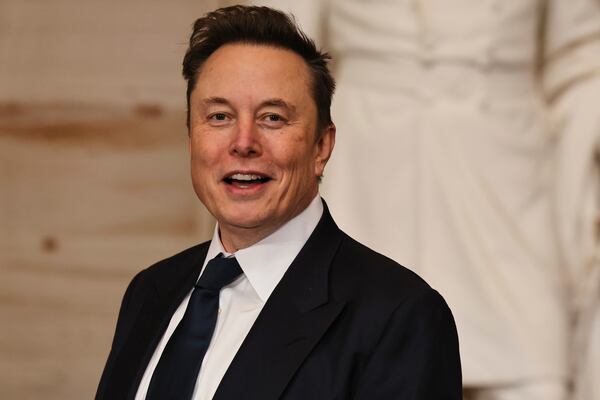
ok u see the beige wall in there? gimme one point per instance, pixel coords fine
(102, 51)
(94, 178)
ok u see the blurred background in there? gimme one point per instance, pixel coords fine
(482, 114)
(94, 181)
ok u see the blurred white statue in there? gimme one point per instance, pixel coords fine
(448, 114)
(576, 114)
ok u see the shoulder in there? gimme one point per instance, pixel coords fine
(371, 280)
(375, 270)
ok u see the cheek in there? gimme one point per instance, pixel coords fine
(202, 171)
(203, 153)
(301, 167)
(197, 163)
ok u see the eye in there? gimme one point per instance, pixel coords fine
(218, 118)
(273, 120)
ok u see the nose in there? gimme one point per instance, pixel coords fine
(246, 139)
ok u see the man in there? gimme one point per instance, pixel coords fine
(280, 304)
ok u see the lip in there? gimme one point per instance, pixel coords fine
(248, 190)
(246, 172)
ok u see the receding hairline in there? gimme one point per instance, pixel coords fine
(307, 68)
(253, 43)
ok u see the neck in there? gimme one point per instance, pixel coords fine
(236, 238)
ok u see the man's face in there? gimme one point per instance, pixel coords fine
(255, 157)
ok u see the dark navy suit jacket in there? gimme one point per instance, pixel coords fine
(343, 323)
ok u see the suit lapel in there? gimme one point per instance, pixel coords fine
(164, 295)
(291, 323)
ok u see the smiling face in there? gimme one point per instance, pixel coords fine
(255, 156)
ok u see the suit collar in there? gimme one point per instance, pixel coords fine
(307, 279)
(265, 262)
(292, 321)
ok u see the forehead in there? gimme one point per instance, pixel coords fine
(254, 70)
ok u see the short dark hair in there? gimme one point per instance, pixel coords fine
(263, 26)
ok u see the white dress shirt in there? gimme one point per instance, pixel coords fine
(240, 302)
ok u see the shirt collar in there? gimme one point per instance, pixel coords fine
(264, 263)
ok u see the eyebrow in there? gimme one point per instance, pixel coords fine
(215, 100)
(274, 102)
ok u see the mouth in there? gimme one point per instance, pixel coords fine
(246, 180)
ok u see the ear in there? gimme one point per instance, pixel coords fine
(323, 149)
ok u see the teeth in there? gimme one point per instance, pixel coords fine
(245, 177)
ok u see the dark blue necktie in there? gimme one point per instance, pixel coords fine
(178, 367)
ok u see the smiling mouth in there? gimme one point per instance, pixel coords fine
(246, 180)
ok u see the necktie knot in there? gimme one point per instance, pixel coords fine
(219, 272)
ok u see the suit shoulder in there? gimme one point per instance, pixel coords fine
(376, 276)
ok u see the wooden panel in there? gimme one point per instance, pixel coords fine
(117, 52)
(89, 196)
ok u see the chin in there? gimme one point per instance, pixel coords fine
(240, 220)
